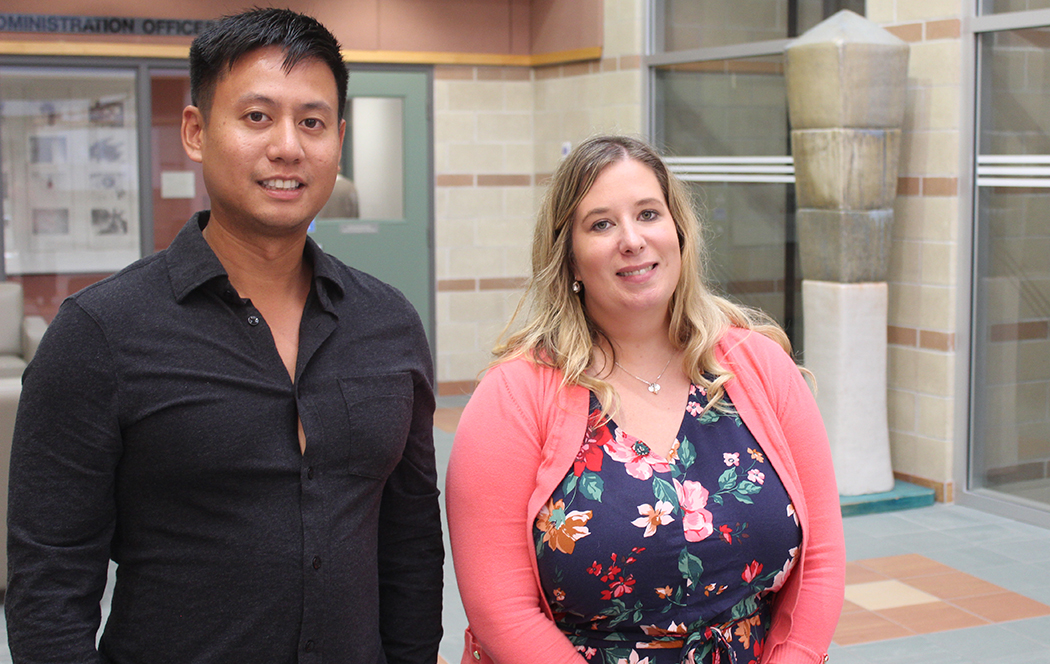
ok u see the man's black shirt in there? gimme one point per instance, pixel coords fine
(157, 426)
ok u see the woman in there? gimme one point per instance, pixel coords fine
(643, 475)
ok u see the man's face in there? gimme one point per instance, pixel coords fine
(271, 146)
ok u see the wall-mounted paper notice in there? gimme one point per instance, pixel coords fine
(177, 184)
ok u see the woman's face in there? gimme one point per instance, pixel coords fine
(625, 245)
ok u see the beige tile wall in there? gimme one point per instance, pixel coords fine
(923, 270)
(498, 134)
(483, 137)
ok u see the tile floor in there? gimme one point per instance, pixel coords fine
(937, 585)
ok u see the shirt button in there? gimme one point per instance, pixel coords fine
(317, 562)
(253, 320)
(310, 473)
(309, 646)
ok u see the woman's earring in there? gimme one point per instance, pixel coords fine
(576, 286)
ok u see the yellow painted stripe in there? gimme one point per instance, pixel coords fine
(133, 50)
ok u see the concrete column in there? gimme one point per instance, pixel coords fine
(846, 88)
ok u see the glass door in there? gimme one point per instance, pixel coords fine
(1010, 441)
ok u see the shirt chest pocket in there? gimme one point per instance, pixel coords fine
(380, 412)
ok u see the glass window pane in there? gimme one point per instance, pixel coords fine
(69, 154)
(1015, 80)
(690, 24)
(723, 107)
(737, 109)
(371, 185)
(749, 229)
(1011, 406)
(1002, 6)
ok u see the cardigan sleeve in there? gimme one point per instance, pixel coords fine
(819, 585)
(492, 472)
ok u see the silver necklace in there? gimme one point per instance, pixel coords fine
(654, 386)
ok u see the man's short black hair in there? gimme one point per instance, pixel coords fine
(214, 52)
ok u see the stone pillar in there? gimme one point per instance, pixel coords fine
(846, 88)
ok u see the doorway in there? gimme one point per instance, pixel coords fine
(386, 229)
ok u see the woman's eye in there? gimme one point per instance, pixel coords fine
(648, 215)
(600, 225)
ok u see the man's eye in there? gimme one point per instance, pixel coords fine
(256, 116)
(312, 123)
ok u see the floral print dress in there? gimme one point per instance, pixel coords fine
(651, 560)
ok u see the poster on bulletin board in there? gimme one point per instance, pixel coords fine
(69, 159)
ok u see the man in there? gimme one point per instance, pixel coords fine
(241, 422)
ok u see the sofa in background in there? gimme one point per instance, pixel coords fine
(19, 334)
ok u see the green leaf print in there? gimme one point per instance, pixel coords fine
(686, 454)
(636, 610)
(616, 610)
(569, 484)
(747, 486)
(576, 639)
(744, 607)
(615, 655)
(691, 568)
(664, 490)
(727, 480)
(592, 485)
(710, 416)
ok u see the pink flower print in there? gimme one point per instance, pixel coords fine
(731, 459)
(653, 517)
(751, 571)
(756, 476)
(633, 659)
(782, 576)
(638, 459)
(692, 498)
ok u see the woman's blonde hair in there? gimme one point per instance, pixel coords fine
(557, 331)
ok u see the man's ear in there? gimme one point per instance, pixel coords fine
(193, 133)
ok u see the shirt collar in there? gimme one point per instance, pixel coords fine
(192, 263)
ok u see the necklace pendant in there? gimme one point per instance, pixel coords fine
(654, 388)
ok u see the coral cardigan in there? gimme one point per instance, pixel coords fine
(518, 437)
